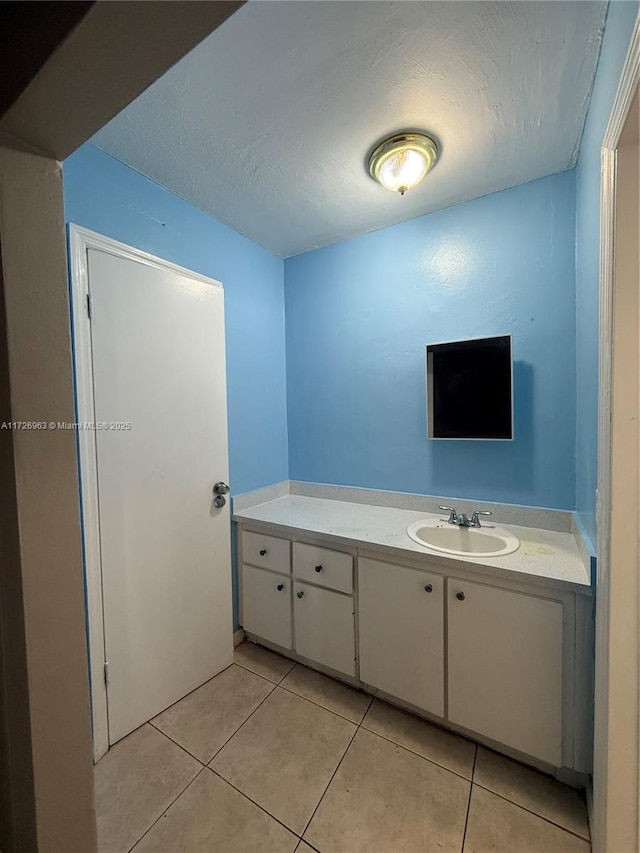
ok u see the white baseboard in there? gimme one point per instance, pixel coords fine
(238, 637)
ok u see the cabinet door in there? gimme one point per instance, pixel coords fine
(325, 627)
(505, 667)
(266, 605)
(401, 626)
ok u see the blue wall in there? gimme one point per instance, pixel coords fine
(108, 197)
(358, 317)
(620, 20)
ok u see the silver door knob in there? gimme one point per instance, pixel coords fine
(219, 501)
(221, 488)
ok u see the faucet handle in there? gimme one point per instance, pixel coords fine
(453, 515)
(475, 521)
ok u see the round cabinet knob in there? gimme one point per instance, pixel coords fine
(263, 552)
(428, 588)
(280, 587)
(300, 594)
(460, 596)
(318, 568)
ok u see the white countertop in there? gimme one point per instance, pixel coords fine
(545, 557)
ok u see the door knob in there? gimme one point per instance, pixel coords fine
(221, 488)
(280, 587)
(428, 588)
(318, 568)
(263, 552)
(460, 596)
(300, 594)
(219, 501)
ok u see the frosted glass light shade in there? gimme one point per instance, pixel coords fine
(401, 162)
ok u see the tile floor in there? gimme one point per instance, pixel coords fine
(271, 757)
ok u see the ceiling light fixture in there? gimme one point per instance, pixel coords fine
(401, 162)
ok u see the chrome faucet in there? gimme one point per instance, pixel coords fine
(453, 515)
(463, 519)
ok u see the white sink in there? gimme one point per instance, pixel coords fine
(439, 535)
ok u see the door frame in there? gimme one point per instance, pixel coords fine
(80, 241)
(629, 81)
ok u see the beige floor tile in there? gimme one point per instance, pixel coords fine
(262, 661)
(204, 720)
(534, 791)
(445, 748)
(384, 798)
(304, 848)
(501, 827)
(135, 782)
(331, 694)
(211, 816)
(284, 756)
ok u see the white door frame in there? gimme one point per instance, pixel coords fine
(629, 80)
(80, 241)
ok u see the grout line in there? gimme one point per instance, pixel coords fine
(418, 754)
(175, 742)
(164, 811)
(264, 677)
(535, 814)
(218, 751)
(324, 707)
(206, 764)
(466, 820)
(330, 781)
(213, 677)
(247, 797)
(315, 849)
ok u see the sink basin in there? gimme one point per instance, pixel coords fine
(439, 535)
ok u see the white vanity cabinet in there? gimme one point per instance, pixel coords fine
(401, 626)
(266, 588)
(299, 596)
(498, 658)
(505, 652)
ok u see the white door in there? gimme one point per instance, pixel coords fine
(505, 667)
(401, 623)
(324, 626)
(158, 356)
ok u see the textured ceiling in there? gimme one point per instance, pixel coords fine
(267, 124)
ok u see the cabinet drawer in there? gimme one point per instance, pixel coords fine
(266, 605)
(332, 569)
(325, 627)
(268, 552)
